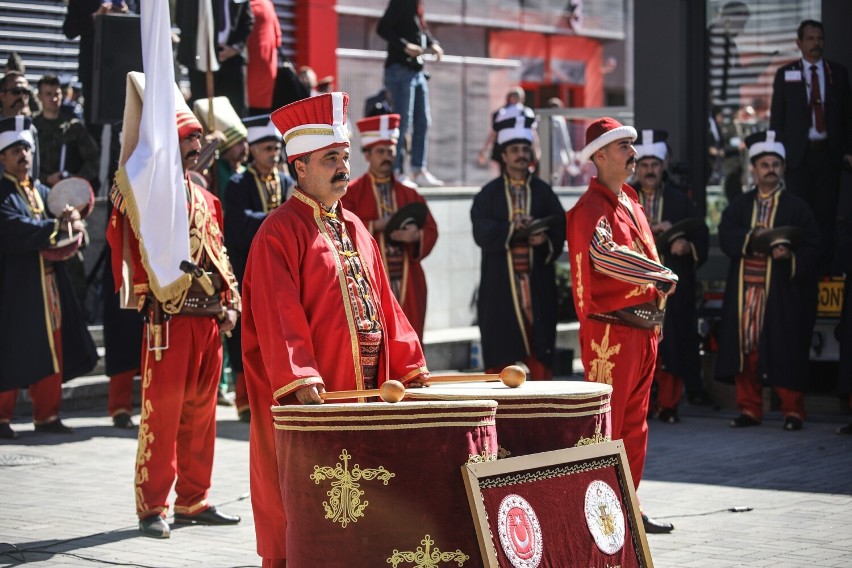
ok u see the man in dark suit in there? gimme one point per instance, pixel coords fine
(812, 115)
(230, 33)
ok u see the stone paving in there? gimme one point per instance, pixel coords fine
(68, 500)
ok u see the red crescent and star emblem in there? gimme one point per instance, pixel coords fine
(519, 532)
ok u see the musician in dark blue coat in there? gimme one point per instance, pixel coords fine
(44, 337)
(772, 239)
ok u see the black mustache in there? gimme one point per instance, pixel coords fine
(192, 154)
(340, 177)
(387, 163)
(632, 160)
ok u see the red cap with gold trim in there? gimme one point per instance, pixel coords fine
(381, 129)
(312, 124)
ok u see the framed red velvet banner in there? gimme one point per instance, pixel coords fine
(571, 507)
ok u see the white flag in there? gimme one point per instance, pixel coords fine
(151, 180)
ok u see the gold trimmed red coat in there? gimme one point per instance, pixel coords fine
(362, 199)
(298, 329)
(632, 267)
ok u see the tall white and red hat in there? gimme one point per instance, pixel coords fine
(761, 143)
(15, 130)
(652, 144)
(312, 124)
(602, 132)
(380, 129)
(514, 123)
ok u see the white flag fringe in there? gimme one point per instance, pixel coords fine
(151, 182)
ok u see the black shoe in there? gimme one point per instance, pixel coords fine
(845, 429)
(54, 427)
(209, 516)
(655, 527)
(792, 424)
(669, 416)
(744, 420)
(245, 415)
(123, 421)
(6, 432)
(154, 526)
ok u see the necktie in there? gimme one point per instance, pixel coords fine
(816, 101)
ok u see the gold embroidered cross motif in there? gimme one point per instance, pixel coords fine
(601, 368)
(344, 504)
(426, 557)
(597, 438)
(485, 456)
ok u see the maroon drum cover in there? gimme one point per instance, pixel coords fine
(538, 416)
(64, 248)
(380, 484)
(73, 191)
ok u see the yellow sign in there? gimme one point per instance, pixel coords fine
(830, 300)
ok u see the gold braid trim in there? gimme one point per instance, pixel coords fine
(171, 293)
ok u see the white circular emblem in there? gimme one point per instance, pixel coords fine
(604, 517)
(519, 531)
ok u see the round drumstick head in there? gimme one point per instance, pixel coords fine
(513, 376)
(392, 391)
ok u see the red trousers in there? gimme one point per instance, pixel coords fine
(241, 393)
(177, 429)
(45, 394)
(669, 389)
(750, 393)
(624, 357)
(121, 393)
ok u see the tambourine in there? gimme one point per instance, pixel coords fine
(64, 248)
(74, 191)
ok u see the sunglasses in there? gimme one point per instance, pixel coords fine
(18, 91)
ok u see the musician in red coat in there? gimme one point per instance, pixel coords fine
(181, 357)
(619, 289)
(374, 198)
(319, 313)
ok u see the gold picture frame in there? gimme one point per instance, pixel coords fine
(551, 481)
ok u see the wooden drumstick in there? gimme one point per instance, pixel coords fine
(390, 391)
(512, 376)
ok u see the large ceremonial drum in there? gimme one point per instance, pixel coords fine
(380, 484)
(538, 416)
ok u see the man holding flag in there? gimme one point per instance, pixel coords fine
(170, 263)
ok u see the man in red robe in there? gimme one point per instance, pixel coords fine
(619, 289)
(374, 198)
(181, 357)
(319, 310)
